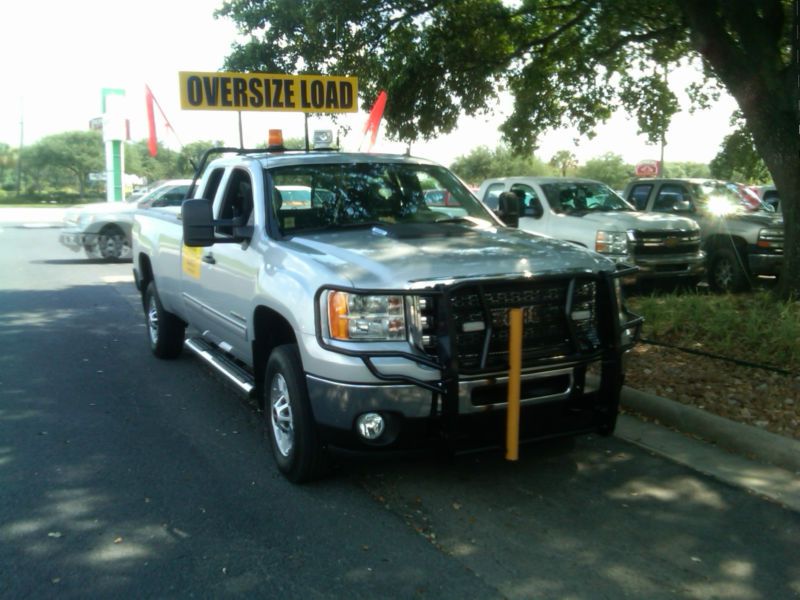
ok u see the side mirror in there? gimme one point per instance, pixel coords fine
(198, 223)
(534, 210)
(508, 209)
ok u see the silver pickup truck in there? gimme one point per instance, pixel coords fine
(363, 317)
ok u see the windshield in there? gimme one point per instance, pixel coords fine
(330, 196)
(571, 197)
(721, 198)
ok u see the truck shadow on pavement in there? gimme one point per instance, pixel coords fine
(126, 476)
(81, 261)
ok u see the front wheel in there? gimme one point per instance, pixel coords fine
(289, 421)
(164, 330)
(112, 244)
(726, 273)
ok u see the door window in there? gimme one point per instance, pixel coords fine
(639, 195)
(237, 203)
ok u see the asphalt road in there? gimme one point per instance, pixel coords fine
(125, 476)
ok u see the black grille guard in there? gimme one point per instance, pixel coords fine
(445, 359)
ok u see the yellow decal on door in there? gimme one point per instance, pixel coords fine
(190, 261)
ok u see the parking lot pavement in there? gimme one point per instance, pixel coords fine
(741, 455)
(37, 217)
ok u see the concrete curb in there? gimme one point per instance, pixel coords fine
(742, 439)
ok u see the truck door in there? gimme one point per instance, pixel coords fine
(230, 270)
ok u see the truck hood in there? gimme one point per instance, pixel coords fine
(624, 220)
(398, 256)
(764, 219)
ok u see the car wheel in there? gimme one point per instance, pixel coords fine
(113, 244)
(164, 330)
(289, 421)
(726, 272)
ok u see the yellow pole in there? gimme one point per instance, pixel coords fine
(515, 367)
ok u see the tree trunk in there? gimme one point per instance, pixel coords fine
(751, 67)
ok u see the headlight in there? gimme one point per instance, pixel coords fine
(359, 317)
(611, 242)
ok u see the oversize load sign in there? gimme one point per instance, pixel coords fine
(268, 92)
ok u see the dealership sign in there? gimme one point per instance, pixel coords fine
(648, 168)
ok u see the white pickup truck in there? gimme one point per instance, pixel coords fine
(324, 284)
(590, 214)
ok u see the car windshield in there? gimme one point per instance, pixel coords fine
(571, 197)
(346, 195)
(720, 198)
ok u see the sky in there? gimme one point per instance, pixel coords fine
(58, 56)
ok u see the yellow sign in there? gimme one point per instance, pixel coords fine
(190, 261)
(268, 92)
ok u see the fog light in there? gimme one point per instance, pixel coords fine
(371, 426)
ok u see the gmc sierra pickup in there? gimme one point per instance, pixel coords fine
(363, 317)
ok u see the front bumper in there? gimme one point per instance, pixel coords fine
(464, 392)
(765, 264)
(77, 240)
(681, 265)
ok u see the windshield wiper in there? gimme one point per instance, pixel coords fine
(474, 221)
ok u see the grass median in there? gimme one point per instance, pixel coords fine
(753, 327)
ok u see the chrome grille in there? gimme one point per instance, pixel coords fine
(480, 319)
(665, 242)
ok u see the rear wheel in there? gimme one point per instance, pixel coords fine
(164, 330)
(726, 273)
(289, 421)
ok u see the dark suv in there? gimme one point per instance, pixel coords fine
(741, 241)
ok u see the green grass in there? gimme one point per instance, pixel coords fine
(755, 327)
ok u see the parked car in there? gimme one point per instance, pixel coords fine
(103, 229)
(740, 242)
(590, 214)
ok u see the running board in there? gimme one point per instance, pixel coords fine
(217, 359)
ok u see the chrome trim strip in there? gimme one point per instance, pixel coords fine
(238, 326)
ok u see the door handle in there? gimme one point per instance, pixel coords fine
(209, 258)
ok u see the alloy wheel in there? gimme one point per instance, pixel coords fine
(281, 415)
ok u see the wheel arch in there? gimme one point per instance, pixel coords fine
(144, 273)
(271, 329)
(717, 241)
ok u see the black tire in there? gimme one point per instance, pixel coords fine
(288, 418)
(726, 272)
(165, 331)
(113, 244)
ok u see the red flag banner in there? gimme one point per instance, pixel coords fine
(152, 142)
(374, 120)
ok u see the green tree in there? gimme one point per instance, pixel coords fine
(573, 62)
(190, 155)
(164, 165)
(76, 153)
(8, 167)
(564, 161)
(686, 169)
(483, 163)
(738, 159)
(609, 168)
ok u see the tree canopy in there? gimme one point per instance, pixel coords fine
(482, 163)
(75, 152)
(564, 62)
